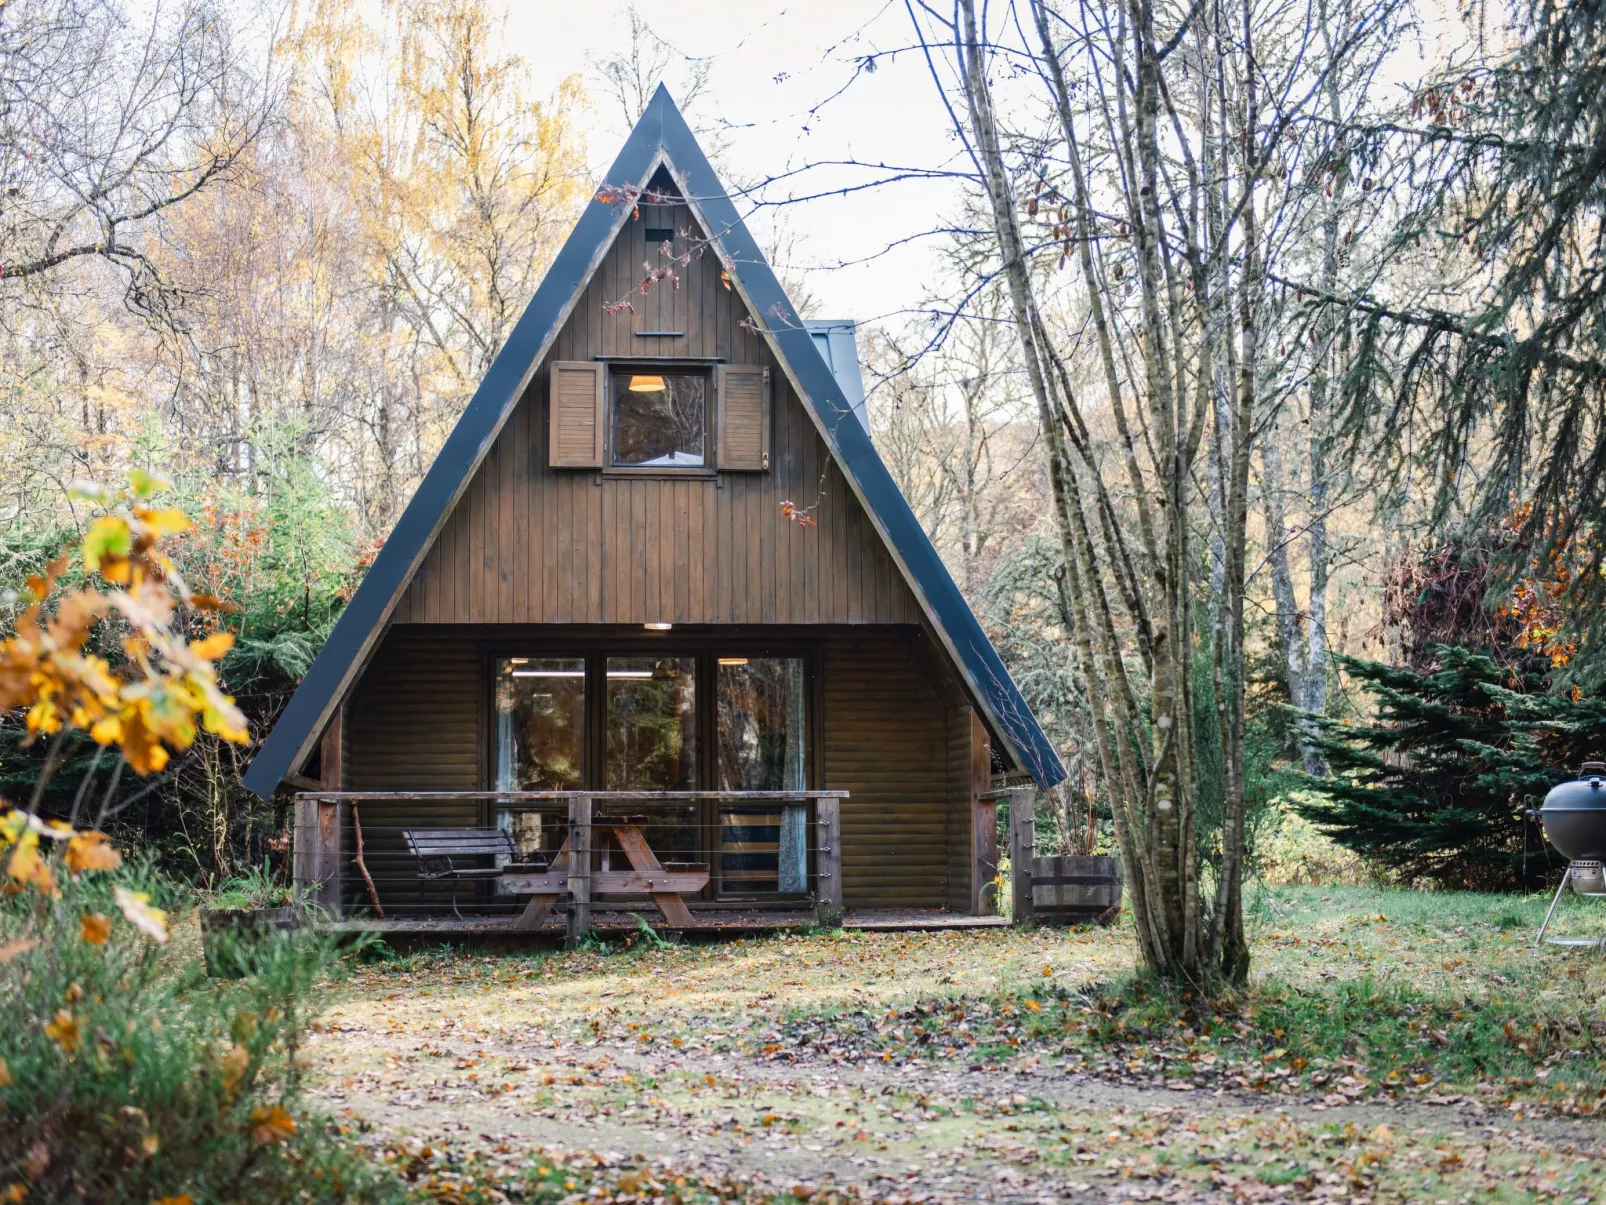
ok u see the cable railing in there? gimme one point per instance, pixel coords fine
(541, 859)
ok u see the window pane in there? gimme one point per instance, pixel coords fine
(540, 735)
(763, 847)
(540, 723)
(760, 704)
(652, 724)
(659, 419)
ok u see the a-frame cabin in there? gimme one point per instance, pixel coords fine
(657, 616)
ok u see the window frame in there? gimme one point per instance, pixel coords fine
(706, 648)
(689, 366)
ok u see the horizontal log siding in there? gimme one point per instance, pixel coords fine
(531, 544)
(413, 724)
(886, 743)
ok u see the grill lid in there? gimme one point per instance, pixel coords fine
(1574, 814)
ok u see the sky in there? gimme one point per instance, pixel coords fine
(774, 71)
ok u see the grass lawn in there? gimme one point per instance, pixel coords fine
(1395, 1046)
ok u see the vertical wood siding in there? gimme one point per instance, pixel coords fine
(531, 544)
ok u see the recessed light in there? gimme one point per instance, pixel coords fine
(658, 626)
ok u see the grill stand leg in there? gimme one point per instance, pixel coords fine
(1566, 876)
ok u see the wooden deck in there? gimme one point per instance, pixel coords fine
(617, 923)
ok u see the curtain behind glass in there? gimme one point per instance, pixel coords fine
(760, 737)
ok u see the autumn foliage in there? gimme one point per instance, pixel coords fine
(122, 1076)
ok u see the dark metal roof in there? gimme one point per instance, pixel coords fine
(661, 135)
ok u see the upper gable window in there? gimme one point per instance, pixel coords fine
(663, 416)
(660, 419)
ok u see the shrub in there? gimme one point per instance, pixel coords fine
(127, 1078)
(123, 1077)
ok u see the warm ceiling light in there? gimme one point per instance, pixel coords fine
(733, 660)
(646, 384)
(658, 626)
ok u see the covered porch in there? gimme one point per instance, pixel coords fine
(570, 861)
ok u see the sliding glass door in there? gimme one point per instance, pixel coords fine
(667, 719)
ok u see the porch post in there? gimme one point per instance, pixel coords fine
(984, 857)
(983, 822)
(320, 829)
(828, 863)
(1022, 850)
(579, 866)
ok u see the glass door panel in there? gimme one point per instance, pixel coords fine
(652, 724)
(540, 743)
(651, 745)
(759, 746)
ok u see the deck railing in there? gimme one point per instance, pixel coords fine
(569, 852)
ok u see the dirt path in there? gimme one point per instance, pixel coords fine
(645, 1057)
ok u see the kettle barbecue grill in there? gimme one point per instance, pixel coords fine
(1574, 819)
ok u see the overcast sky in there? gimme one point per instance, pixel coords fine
(772, 66)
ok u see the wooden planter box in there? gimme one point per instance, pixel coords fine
(231, 936)
(1072, 890)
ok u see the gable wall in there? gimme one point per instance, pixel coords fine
(531, 544)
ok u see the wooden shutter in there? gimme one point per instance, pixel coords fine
(577, 414)
(744, 417)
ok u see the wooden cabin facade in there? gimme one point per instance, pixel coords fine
(657, 610)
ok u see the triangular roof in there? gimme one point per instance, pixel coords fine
(661, 137)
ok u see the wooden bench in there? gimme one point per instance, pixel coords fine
(435, 849)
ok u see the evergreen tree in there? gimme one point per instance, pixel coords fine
(1438, 785)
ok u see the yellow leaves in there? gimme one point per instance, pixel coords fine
(167, 522)
(16, 1192)
(5, 1074)
(169, 690)
(235, 1064)
(63, 1029)
(16, 948)
(107, 545)
(213, 646)
(183, 1198)
(88, 851)
(270, 1124)
(135, 905)
(145, 485)
(26, 867)
(95, 928)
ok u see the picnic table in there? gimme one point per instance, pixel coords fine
(570, 872)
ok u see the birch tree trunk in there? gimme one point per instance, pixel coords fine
(1159, 206)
